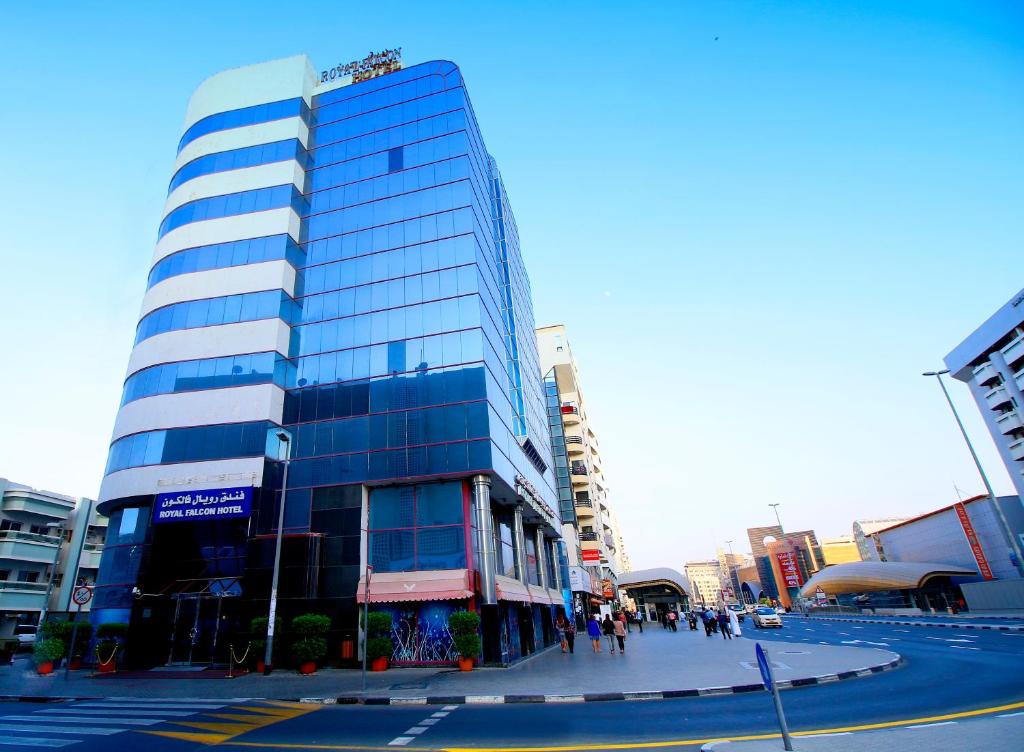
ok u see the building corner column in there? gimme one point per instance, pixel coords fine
(519, 541)
(485, 539)
(542, 563)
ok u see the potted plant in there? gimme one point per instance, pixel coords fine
(82, 637)
(111, 637)
(310, 645)
(464, 627)
(378, 643)
(46, 652)
(258, 643)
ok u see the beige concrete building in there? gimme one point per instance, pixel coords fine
(590, 530)
(707, 581)
(841, 550)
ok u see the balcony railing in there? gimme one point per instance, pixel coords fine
(18, 535)
(32, 587)
(573, 439)
(578, 468)
(1009, 422)
(985, 373)
(1013, 351)
(584, 503)
(1016, 451)
(591, 537)
(93, 547)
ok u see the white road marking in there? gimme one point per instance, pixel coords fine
(865, 642)
(416, 730)
(834, 733)
(84, 719)
(904, 631)
(115, 713)
(1010, 715)
(400, 741)
(439, 714)
(150, 705)
(449, 708)
(931, 725)
(37, 742)
(963, 647)
(429, 721)
(87, 730)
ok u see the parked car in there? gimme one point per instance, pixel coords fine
(26, 634)
(736, 608)
(765, 616)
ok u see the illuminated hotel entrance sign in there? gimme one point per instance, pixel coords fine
(373, 65)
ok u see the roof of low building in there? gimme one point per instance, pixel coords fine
(867, 576)
(656, 576)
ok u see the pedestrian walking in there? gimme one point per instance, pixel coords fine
(691, 619)
(594, 632)
(734, 624)
(713, 619)
(620, 635)
(608, 627)
(561, 625)
(624, 618)
(724, 626)
(570, 635)
(672, 619)
(706, 622)
(640, 621)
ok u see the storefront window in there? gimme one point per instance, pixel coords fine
(417, 528)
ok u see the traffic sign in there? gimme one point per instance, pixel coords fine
(819, 594)
(82, 595)
(762, 663)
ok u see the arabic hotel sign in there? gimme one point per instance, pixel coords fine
(788, 567)
(373, 65)
(972, 540)
(191, 506)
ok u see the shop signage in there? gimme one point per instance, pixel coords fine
(788, 567)
(373, 65)
(973, 542)
(579, 580)
(190, 506)
(591, 555)
(606, 589)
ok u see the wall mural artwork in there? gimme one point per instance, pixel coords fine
(420, 632)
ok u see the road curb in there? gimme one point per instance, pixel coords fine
(515, 699)
(941, 625)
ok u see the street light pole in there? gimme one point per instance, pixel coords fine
(776, 508)
(1014, 545)
(285, 438)
(366, 609)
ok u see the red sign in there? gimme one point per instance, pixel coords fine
(790, 570)
(972, 540)
(594, 556)
(606, 588)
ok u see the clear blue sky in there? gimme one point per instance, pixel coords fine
(760, 222)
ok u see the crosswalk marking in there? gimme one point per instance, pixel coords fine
(115, 713)
(87, 730)
(85, 719)
(151, 705)
(36, 742)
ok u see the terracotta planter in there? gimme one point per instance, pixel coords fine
(75, 663)
(465, 664)
(379, 664)
(44, 668)
(109, 667)
(308, 667)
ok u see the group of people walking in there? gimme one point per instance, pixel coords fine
(720, 622)
(613, 628)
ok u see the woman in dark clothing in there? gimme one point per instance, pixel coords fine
(608, 628)
(724, 625)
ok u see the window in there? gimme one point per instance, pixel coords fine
(9, 525)
(26, 576)
(396, 159)
(417, 528)
(5, 575)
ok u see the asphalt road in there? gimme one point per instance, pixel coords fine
(946, 671)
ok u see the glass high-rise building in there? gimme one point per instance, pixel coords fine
(337, 280)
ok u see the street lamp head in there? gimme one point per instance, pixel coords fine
(936, 373)
(284, 436)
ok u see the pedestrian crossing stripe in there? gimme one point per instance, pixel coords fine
(253, 717)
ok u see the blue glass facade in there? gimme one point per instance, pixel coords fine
(411, 364)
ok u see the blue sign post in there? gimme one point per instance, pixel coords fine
(209, 504)
(769, 683)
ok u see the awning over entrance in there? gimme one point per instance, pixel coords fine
(646, 578)
(868, 576)
(519, 592)
(396, 587)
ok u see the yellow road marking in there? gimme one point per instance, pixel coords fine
(639, 745)
(251, 718)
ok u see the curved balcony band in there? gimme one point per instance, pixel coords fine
(229, 309)
(224, 255)
(165, 446)
(237, 159)
(234, 204)
(260, 113)
(209, 373)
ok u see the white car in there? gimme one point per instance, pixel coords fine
(26, 634)
(766, 617)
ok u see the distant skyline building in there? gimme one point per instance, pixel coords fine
(991, 362)
(863, 531)
(337, 280)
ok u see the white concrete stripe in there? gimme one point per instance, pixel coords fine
(234, 181)
(84, 719)
(116, 712)
(87, 730)
(36, 742)
(214, 283)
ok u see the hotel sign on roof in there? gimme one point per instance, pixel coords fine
(373, 65)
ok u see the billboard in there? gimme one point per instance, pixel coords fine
(789, 568)
(973, 542)
(208, 504)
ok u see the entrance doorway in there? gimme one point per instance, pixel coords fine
(197, 627)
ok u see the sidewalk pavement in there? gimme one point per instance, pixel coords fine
(657, 663)
(998, 732)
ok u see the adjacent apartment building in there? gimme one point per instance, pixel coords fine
(594, 549)
(991, 362)
(47, 547)
(337, 283)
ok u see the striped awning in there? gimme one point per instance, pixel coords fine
(398, 587)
